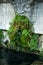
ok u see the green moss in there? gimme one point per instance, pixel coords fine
(20, 34)
(1, 36)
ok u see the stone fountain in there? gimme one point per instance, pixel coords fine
(8, 9)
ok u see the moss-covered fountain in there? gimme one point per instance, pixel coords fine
(23, 46)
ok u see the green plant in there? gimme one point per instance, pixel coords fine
(20, 34)
(1, 36)
(41, 53)
(34, 42)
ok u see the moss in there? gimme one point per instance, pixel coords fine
(20, 34)
(1, 36)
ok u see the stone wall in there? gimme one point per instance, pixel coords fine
(7, 13)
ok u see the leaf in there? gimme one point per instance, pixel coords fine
(25, 32)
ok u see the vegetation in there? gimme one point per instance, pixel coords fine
(20, 34)
(41, 53)
(1, 36)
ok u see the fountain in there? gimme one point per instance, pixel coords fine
(34, 13)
